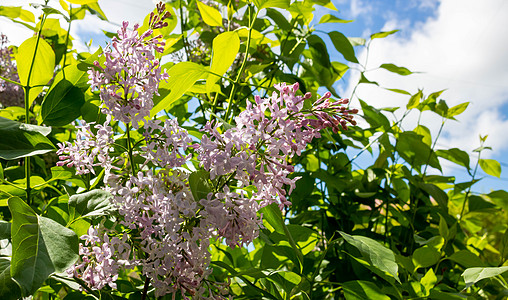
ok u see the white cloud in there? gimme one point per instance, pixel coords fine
(462, 49)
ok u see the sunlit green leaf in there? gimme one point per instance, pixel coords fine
(36, 63)
(211, 15)
(383, 34)
(457, 110)
(396, 69)
(225, 47)
(473, 275)
(491, 167)
(332, 19)
(182, 77)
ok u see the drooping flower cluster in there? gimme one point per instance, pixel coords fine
(89, 150)
(130, 76)
(159, 215)
(101, 257)
(257, 152)
(10, 94)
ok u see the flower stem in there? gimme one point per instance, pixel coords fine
(129, 147)
(239, 75)
(145, 288)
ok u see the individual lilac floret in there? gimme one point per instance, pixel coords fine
(130, 76)
(89, 149)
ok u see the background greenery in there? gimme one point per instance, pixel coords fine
(392, 230)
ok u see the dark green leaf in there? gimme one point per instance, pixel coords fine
(9, 290)
(466, 259)
(343, 45)
(376, 254)
(20, 140)
(62, 104)
(92, 203)
(455, 155)
(40, 246)
(362, 290)
(500, 197)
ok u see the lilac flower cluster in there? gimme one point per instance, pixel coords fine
(10, 94)
(101, 258)
(159, 219)
(130, 76)
(257, 153)
(87, 148)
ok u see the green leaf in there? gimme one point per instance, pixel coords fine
(382, 34)
(182, 77)
(491, 167)
(13, 12)
(399, 91)
(199, 184)
(362, 290)
(35, 67)
(225, 47)
(211, 16)
(376, 254)
(425, 133)
(9, 290)
(414, 151)
(455, 155)
(466, 259)
(92, 203)
(396, 69)
(332, 19)
(443, 227)
(457, 110)
(20, 140)
(62, 104)
(428, 281)
(473, 275)
(82, 2)
(429, 254)
(500, 198)
(279, 19)
(40, 247)
(414, 100)
(260, 4)
(343, 45)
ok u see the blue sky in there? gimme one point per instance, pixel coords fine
(458, 45)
